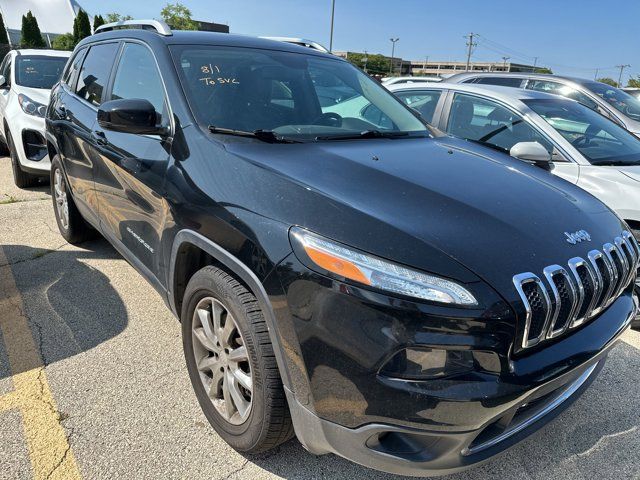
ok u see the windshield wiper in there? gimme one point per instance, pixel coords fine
(363, 134)
(268, 136)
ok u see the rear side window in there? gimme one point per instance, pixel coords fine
(502, 81)
(71, 75)
(138, 77)
(424, 101)
(557, 88)
(95, 72)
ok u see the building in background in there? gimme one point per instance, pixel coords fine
(403, 67)
(55, 17)
(212, 27)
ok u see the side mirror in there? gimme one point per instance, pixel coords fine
(534, 153)
(130, 116)
(3, 82)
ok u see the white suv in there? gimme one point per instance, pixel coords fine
(26, 78)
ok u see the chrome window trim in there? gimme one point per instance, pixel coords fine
(518, 281)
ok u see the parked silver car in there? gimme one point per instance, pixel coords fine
(611, 102)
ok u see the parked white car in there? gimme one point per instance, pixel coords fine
(26, 78)
(585, 147)
(387, 82)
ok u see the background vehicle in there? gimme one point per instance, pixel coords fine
(585, 148)
(410, 80)
(312, 258)
(634, 92)
(609, 101)
(26, 78)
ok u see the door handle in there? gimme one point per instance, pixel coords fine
(99, 137)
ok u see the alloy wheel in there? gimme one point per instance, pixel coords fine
(222, 360)
(62, 203)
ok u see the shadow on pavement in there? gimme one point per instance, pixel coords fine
(71, 306)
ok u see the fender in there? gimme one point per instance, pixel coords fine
(246, 275)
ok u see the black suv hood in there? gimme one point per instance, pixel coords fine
(416, 201)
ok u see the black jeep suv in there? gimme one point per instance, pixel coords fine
(409, 301)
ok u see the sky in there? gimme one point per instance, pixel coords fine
(572, 37)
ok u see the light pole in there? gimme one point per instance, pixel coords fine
(393, 52)
(504, 63)
(621, 67)
(426, 60)
(333, 11)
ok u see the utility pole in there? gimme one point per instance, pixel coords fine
(426, 60)
(365, 60)
(504, 63)
(470, 46)
(393, 52)
(595, 77)
(333, 11)
(621, 67)
(535, 64)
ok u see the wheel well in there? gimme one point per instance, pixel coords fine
(51, 150)
(189, 259)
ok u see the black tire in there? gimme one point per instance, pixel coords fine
(77, 230)
(21, 178)
(269, 421)
(635, 323)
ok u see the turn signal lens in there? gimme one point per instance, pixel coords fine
(354, 265)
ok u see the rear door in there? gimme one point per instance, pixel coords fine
(130, 168)
(77, 110)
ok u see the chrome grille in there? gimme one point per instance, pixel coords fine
(572, 296)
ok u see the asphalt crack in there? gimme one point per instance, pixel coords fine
(237, 470)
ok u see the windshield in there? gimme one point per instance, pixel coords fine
(39, 71)
(599, 140)
(618, 99)
(297, 96)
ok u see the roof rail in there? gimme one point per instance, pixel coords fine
(158, 25)
(300, 41)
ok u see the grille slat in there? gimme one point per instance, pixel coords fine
(576, 295)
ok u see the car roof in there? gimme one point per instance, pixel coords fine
(505, 94)
(183, 37)
(42, 52)
(551, 76)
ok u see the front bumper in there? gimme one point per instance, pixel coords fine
(27, 133)
(337, 337)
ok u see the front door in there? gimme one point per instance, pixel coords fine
(130, 169)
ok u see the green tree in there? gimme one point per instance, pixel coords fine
(608, 81)
(178, 17)
(31, 35)
(4, 39)
(376, 63)
(97, 21)
(116, 17)
(543, 70)
(634, 82)
(63, 42)
(81, 26)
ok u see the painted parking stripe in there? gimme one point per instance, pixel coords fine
(49, 450)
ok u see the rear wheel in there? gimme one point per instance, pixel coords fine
(21, 178)
(231, 363)
(72, 226)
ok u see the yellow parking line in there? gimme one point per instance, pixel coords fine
(49, 451)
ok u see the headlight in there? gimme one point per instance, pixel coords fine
(348, 263)
(31, 107)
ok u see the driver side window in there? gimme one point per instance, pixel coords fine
(491, 124)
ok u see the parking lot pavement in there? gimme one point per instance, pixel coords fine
(93, 382)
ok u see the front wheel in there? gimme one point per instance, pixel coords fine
(72, 226)
(231, 363)
(21, 178)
